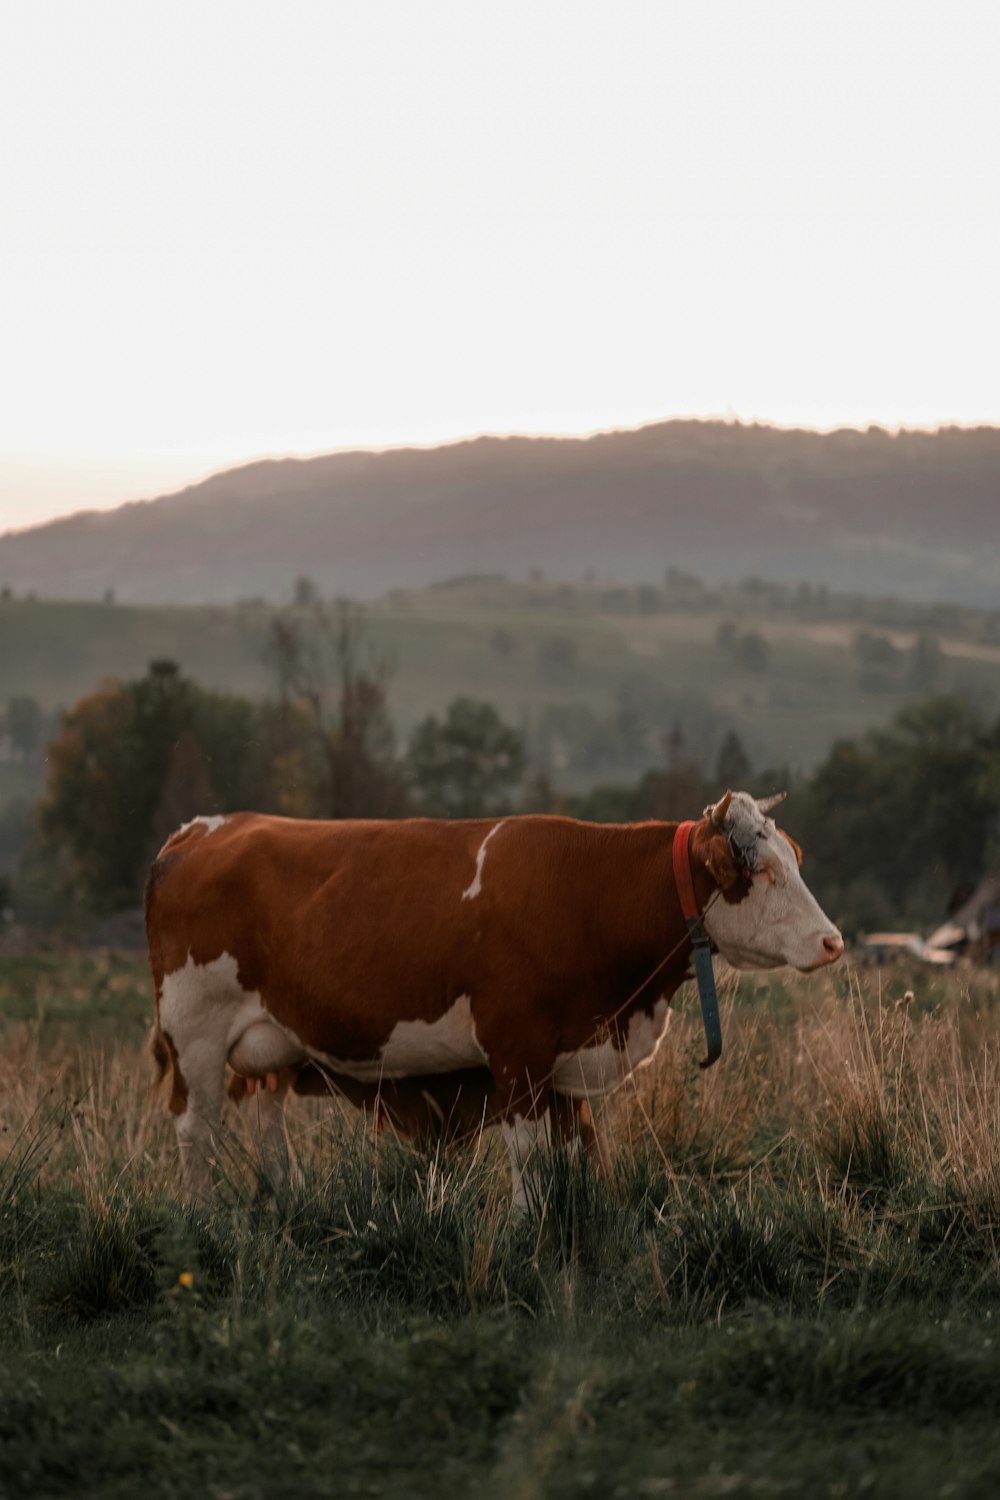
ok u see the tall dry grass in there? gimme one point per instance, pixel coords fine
(849, 1141)
(857, 1079)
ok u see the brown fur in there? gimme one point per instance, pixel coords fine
(164, 1054)
(732, 878)
(347, 928)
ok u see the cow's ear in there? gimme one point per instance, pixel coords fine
(720, 862)
(789, 840)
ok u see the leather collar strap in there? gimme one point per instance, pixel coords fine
(701, 943)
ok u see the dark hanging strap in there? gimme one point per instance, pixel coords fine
(701, 944)
(705, 975)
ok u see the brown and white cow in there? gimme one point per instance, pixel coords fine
(459, 973)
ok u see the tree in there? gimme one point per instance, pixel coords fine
(96, 812)
(733, 764)
(752, 651)
(909, 810)
(748, 648)
(726, 635)
(503, 641)
(672, 795)
(328, 679)
(675, 746)
(465, 766)
(305, 592)
(879, 660)
(926, 662)
(187, 789)
(875, 650)
(25, 722)
(130, 762)
(558, 657)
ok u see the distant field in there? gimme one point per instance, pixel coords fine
(533, 650)
(791, 1287)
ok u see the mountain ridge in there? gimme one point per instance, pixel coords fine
(913, 512)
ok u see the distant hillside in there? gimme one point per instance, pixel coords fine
(913, 514)
(576, 667)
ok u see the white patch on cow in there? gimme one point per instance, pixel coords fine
(780, 921)
(440, 1046)
(477, 881)
(414, 1047)
(210, 823)
(603, 1066)
(206, 1009)
(524, 1139)
(257, 1043)
(212, 1021)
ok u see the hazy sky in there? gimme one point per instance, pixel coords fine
(236, 229)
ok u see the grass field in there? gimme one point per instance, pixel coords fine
(791, 1286)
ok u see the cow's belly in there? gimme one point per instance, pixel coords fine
(602, 1066)
(412, 1048)
(206, 1011)
(444, 1045)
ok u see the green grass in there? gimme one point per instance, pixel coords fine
(321, 1352)
(99, 996)
(199, 1403)
(791, 1285)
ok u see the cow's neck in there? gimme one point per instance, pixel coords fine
(638, 916)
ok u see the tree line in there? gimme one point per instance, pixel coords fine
(133, 760)
(896, 825)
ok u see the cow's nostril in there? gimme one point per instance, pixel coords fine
(834, 945)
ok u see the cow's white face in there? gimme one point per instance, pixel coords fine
(778, 921)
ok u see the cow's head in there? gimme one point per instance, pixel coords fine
(764, 914)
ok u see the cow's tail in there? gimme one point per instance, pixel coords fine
(157, 1045)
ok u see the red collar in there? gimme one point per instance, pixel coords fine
(700, 943)
(682, 871)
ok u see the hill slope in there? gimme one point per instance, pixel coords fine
(911, 513)
(596, 677)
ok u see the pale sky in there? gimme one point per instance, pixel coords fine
(231, 229)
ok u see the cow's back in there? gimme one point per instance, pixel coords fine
(341, 928)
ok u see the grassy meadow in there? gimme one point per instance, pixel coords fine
(791, 1286)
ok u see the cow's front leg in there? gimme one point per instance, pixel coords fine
(520, 1057)
(575, 1123)
(527, 1138)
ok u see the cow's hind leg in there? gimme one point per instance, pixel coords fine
(269, 1059)
(198, 1005)
(264, 1105)
(196, 1103)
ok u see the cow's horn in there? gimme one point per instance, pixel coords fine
(766, 803)
(721, 809)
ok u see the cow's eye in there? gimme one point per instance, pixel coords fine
(745, 854)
